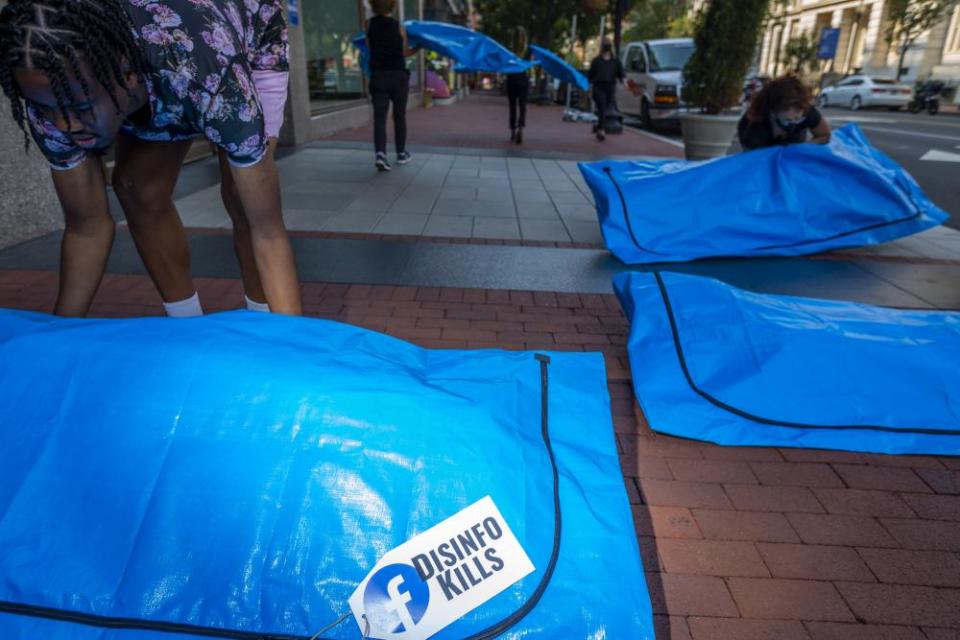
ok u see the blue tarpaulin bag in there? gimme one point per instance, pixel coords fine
(237, 476)
(716, 363)
(782, 201)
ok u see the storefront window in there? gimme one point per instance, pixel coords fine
(411, 11)
(333, 64)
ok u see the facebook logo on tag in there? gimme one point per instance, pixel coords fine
(396, 598)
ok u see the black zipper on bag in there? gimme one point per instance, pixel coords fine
(138, 624)
(720, 404)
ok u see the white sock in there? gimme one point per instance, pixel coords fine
(188, 308)
(253, 305)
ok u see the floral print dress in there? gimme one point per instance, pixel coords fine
(201, 56)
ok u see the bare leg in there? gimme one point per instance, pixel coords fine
(258, 188)
(242, 235)
(87, 238)
(144, 179)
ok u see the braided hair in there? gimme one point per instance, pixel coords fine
(56, 37)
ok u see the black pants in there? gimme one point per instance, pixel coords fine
(605, 98)
(388, 87)
(518, 88)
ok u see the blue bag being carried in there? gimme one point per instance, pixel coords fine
(471, 50)
(712, 362)
(783, 201)
(238, 475)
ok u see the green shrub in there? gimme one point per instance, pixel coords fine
(726, 36)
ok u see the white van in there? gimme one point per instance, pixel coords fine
(654, 70)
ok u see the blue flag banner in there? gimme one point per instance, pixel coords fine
(241, 475)
(829, 39)
(558, 67)
(784, 201)
(712, 362)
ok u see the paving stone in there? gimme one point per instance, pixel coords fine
(744, 525)
(546, 230)
(924, 534)
(812, 562)
(934, 507)
(758, 498)
(776, 599)
(711, 557)
(863, 502)
(840, 530)
(900, 566)
(666, 522)
(902, 605)
(684, 595)
(740, 629)
(796, 474)
(448, 226)
(841, 631)
(712, 471)
(496, 228)
(683, 494)
(401, 224)
(881, 478)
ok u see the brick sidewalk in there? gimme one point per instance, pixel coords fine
(738, 543)
(481, 122)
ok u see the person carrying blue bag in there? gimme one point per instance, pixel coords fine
(389, 80)
(606, 71)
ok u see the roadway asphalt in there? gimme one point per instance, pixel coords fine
(927, 146)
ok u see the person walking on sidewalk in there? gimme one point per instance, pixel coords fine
(389, 80)
(782, 113)
(605, 72)
(518, 87)
(150, 77)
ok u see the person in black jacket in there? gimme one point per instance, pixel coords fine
(518, 88)
(389, 80)
(605, 72)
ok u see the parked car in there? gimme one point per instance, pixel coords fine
(858, 92)
(654, 70)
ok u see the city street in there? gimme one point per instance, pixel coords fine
(927, 146)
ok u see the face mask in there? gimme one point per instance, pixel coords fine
(787, 123)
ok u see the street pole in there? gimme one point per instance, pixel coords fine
(573, 47)
(603, 29)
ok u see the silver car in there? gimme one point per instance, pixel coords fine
(654, 70)
(858, 92)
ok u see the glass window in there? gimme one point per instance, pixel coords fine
(411, 11)
(670, 57)
(333, 64)
(635, 60)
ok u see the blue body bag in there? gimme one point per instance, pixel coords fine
(715, 363)
(237, 475)
(782, 201)
(558, 67)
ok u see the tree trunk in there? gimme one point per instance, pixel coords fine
(903, 54)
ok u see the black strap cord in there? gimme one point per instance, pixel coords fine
(513, 619)
(136, 624)
(626, 214)
(681, 357)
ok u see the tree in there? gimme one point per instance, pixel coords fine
(907, 20)
(725, 39)
(651, 19)
(544, 21)
(800, 53)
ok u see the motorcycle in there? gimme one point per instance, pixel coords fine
(926, 95)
